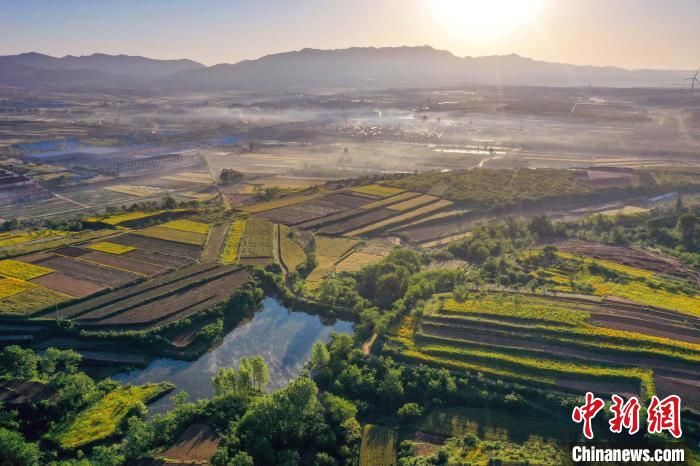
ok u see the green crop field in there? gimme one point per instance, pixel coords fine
(233, 241)
(103, 419)
(171, 234)
(258, 239)
(292, 253)
(188, 225)
(377, 190)
(33, 299)
(378, 446)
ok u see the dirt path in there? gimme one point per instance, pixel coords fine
(215, 243)
(367, 346)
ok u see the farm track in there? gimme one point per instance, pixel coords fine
(155, 294)
(103, 300)
(215, 243)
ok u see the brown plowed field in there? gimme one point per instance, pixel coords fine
(313, 209)
(104, 276)
(154, 257)
(215, 243)
(182, 303)
(125, 263)
(152, 294)
(197, 444)
(169, 248)
(68, 285)
(687, 389)
(71, 251)
(106, 299)
(657, 329)
(356, 222)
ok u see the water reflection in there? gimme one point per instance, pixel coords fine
(284, 338)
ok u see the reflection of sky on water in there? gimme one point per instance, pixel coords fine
(282, 337)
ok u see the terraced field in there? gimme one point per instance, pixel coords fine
(404, 217)
(177, 234)
(549, 341)
(315, 208)
(111, 248)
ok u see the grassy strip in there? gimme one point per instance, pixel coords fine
(103, 419)
(188, 225)
(12, 286)
(31, 301)
(377, 190)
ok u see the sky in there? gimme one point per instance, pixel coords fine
(662, 34)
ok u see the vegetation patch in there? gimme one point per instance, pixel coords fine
(22, 270)
(104, 418)
(188, 225)
(111, 248)
(282, 202)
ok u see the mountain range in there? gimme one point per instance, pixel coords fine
(357, 67)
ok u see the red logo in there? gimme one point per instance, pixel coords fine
(586, 413)
(662, 415)
(665, 415)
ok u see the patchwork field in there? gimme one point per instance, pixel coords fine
(315, 208)
(277, 203)
(103, 419)
(215, 243)
(146, 244)
(377, 190)
(410, 215)
(21, 270)
(378, 446)
(135, 190)
(130, 219)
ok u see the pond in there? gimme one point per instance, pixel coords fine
(283, 337)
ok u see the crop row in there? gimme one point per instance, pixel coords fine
(258, 239)
(233, 241)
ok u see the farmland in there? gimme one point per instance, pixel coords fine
(258, 239)
(233, 241)
(111, 248)
(197, 444)
(179, 231)
(329, 251)
(291, 252)
(22, 270)
(104, 418)
(546, 341)
(378, 446)
(377, 190)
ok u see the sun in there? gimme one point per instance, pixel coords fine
(483, 18)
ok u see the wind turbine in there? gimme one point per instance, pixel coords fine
(693, 79)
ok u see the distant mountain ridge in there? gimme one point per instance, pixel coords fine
(356, 67)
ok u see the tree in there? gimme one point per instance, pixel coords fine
(55, 360)
(259, 370)
(169, 202)
(686, 227)
(16, 451)
(18, 363)
(230, 176)
(410, 411)
(320, 357)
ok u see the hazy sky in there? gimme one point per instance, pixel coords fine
(628, 33)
